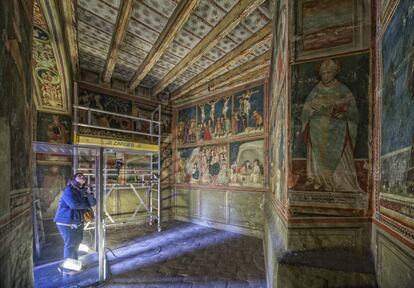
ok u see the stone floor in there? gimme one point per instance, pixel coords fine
(186, 255)
(182, 255)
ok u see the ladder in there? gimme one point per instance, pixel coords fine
(155, 162)
(38, 229)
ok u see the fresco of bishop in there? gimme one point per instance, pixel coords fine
(329, 124)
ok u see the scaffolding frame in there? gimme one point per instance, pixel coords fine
(152, 186)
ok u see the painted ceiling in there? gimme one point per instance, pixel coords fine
(97, 25)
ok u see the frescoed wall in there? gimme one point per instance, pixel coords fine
(329, 124)
(54, 128)
(107, 102)
(324, 27)
(394, 217)
(222, 120)
(219, 159)
(397, 107)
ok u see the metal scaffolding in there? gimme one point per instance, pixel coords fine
(143, 183)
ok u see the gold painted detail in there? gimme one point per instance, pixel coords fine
(49, 86)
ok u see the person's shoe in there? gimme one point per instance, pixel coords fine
(65, 272)
(70, 273)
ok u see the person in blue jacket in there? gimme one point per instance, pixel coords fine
(74, 201)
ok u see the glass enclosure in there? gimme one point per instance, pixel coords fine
(126, 185)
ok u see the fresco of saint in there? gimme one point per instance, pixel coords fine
(329, 124)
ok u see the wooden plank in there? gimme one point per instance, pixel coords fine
(174, 25)
(258, 63)
(243, 49)
(70, 25)
(241, 10)
(243, 79)
(121, 25)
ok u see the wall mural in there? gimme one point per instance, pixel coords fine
(330, 124)
(239, 164)
(50, 87)
(226, 117)
(187, 125)
(326, 27)
(397, 108)
(227, 162)
(53, 128)
(246, 160)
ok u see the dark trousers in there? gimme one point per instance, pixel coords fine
(72, 237)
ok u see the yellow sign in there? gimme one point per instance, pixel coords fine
(112, 143)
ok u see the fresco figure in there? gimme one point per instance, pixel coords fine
(226, 106)
(329, 124)
(56, 131)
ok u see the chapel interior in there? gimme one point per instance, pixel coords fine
(228, 143)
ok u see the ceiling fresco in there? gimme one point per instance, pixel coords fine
(97, 25)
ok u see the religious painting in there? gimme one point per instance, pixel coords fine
(51, 180)
(53, 128)
(247, 116)
(325, 27)
(187, 125)
(330, 124)
(397, 107)
(214, 119)
(91, 99)
(246, 163)
(204, 165)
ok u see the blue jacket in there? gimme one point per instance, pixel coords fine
(72, 204)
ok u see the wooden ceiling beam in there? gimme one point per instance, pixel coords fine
(242, 9)
(121, 25)
(69, 15)
(237, 72)
(242, 50)
(174, 25)
(243, 78)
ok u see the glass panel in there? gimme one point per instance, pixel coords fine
(53, 169)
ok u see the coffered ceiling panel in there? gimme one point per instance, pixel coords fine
(226, 44)
(170, 58)
(137, 42)
(100, 8)
(95, 21)
(197, 26)
(86, 29)
(226, 4)
(204, 62)
(149, 81)
(164, 7)
(240, 33)
(187, 39)
(149, 17)
(209, 12)
(255, 21)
